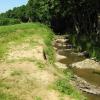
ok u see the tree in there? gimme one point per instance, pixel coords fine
(38, 10)
(17, 13)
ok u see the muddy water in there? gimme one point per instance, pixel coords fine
(90, 76)
(87, 74)
(70, 57)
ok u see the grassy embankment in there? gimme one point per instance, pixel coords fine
(23, 33)
(24, 74)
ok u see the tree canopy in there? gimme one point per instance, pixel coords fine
(77, 17)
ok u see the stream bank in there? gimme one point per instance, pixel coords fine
(68, 57)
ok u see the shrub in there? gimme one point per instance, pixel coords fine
(63, 86)
(8, 21)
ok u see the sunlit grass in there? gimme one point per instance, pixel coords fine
(63, 85)
(20, 33)
(7, 96)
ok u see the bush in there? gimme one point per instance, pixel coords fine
(63, 86)
(8, 21)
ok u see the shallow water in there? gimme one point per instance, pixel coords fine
(88, 74)
(91, 77)
(92, 97)
(70, 57)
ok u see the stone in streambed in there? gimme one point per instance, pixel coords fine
(85, 86)
(59, 57)
(87, 64)
(60, 65)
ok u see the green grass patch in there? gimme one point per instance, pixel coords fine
(16, 72)
(4, 95)
(37, 98)
(49, 48)
(7, 96)
(20, 33)
(4, 85)
(63, 86)
(40, 64)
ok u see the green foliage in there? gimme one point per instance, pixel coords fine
(90, 43)
(8, 21)
(37, 98)
(49, 49)
(7, 96)
(38, 10)
(50, 54)
(16, 73)
(72, 39)
(63, 86)
(4, 85)
(16, 13)
(4, 95)
(40, 64)
(95, 52)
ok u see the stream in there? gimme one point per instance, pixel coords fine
(87, 74)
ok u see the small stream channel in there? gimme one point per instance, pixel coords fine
(86, 74)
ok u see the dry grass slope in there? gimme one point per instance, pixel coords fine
(24, 74)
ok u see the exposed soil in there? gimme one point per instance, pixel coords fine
(24, 76)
